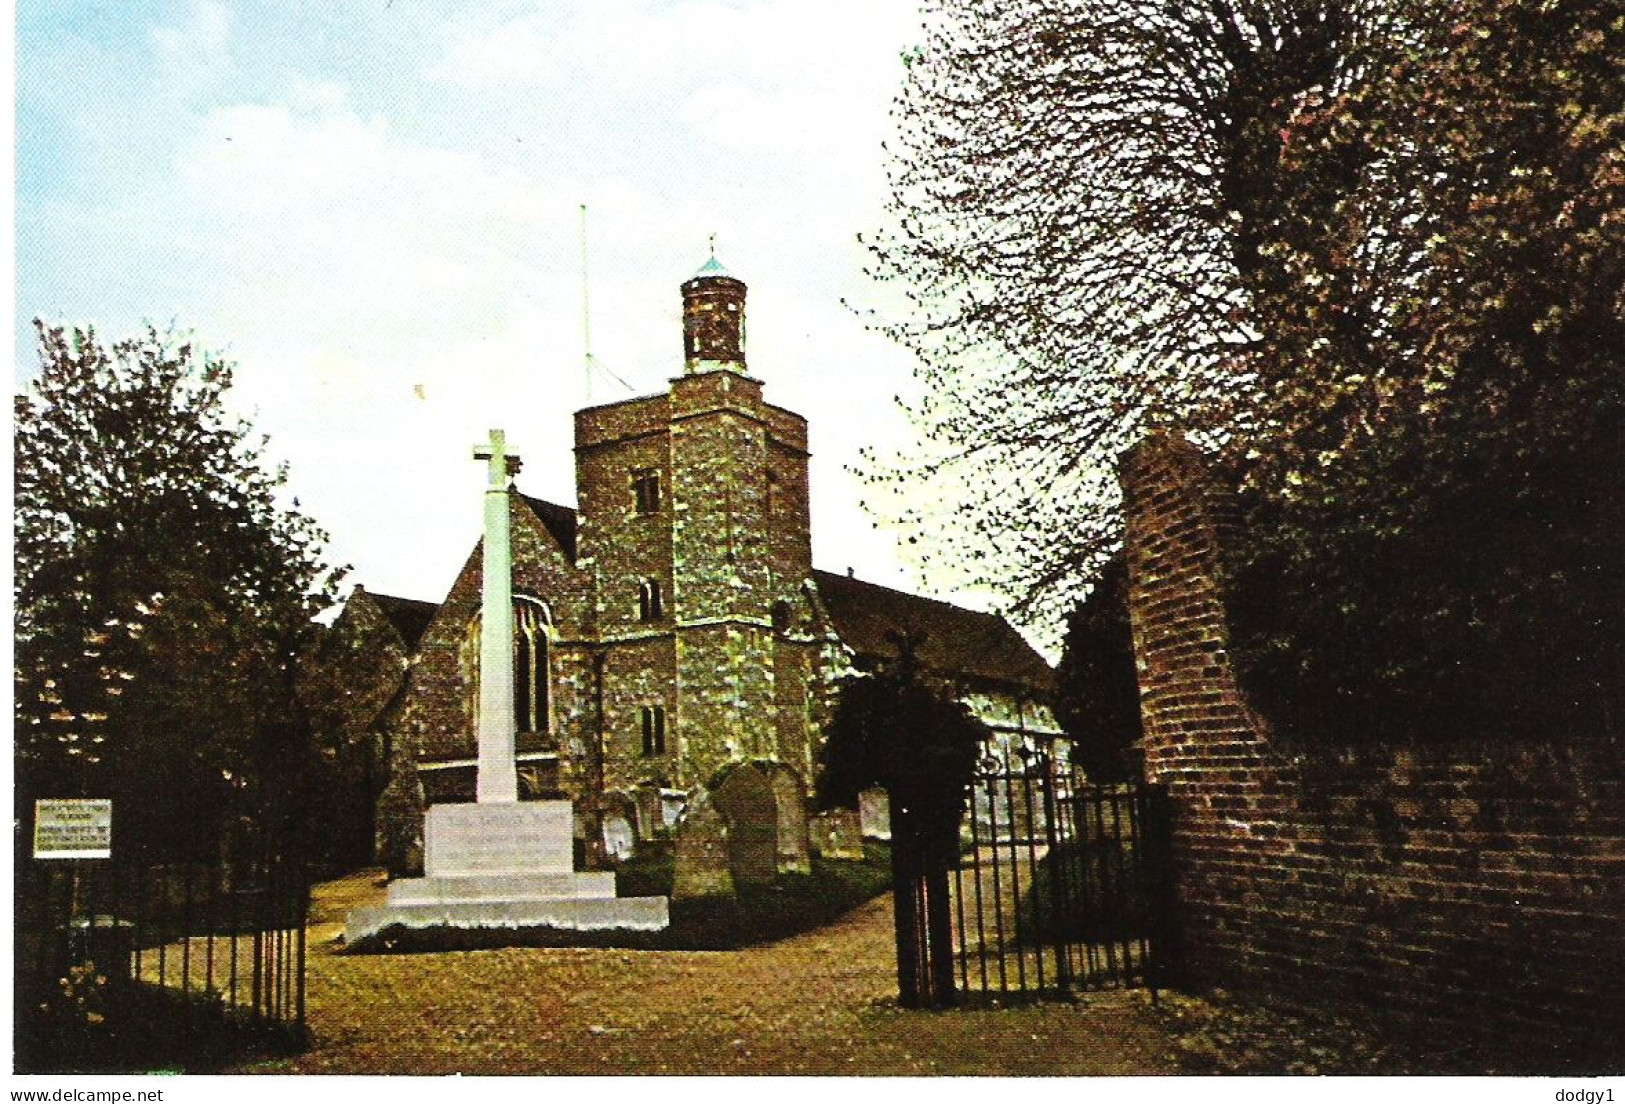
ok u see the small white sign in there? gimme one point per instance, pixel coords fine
(73, 828)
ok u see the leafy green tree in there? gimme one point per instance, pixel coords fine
(163, 592)
(1435, 519)
(1087, 197)
(1097, 690)
(894, 730)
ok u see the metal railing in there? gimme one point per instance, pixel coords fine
(111, 952)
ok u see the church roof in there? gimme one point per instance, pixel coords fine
(409, 616)
(558, 520)
(955, 641)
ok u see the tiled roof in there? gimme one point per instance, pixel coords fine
(559, 520)
(954, 641)
(409, 616)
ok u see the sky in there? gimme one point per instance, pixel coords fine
(374, 208)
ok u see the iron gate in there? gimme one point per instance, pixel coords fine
(1059, 885)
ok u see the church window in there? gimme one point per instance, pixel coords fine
(649, 606)
(532, 682)
(654, 729)
(531, 685)
(646, 491)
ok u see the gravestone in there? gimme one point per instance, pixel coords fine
(794, 843)
(673, 804)
(619, 839)
(874, 814)
(744, 795)
(837, 834)
(700, 866)
(618, 824)
(646, 806)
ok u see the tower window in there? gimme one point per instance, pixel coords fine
(646, 491)
(654, 729)
(649, 605)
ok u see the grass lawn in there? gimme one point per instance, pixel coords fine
(793, 904)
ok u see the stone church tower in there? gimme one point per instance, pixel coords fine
(693, 519)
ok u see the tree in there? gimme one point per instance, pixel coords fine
(1087, 198)
(1371, 251)
(1097, 689)
(1435, 522)
(894, 730)
(162, 591)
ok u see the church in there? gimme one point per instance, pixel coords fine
(672, 624)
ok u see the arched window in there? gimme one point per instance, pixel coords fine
(532, 681)
(649, 605)
(532, 704)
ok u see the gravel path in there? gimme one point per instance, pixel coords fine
(820, 1003)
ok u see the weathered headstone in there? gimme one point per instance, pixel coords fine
(619, 838)
(673, 804)
(701, 863)
(794, 843)
(837, 834)
(874, 814)
(646, 806)
(744, 796)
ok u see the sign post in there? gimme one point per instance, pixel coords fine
(73, 828)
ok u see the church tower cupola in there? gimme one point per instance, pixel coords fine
(713, 321)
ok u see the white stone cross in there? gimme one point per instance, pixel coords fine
(497, 780)
(503, 465)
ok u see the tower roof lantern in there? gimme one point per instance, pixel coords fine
(712, 267)
(713, 319)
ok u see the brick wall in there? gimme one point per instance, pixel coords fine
(1451, 884)
(358, 667)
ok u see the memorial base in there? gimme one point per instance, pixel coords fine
(505, 866)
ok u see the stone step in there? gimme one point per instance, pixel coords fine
(475, 888)
(569, 913)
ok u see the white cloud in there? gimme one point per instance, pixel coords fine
(196, 52)
(654, 50)
(515, 52)
(319, 200)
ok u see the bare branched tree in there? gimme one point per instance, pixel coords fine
(1086, 198)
